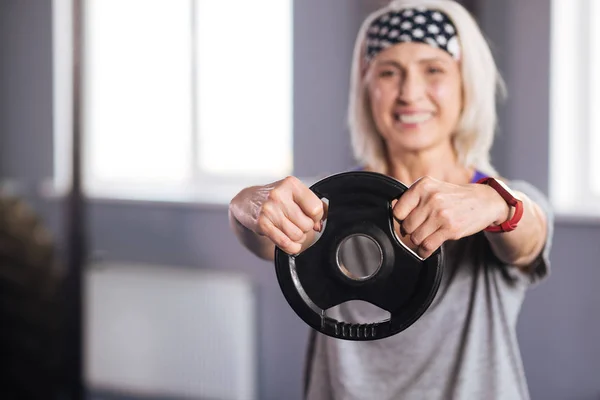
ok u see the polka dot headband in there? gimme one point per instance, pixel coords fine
(412, 25)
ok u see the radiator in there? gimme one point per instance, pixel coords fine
(170, 332)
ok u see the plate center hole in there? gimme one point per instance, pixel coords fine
(359, 257)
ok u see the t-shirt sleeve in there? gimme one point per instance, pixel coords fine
(540, 267)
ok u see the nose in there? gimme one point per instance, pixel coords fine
(412, 88)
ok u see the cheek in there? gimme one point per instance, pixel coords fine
(380, 101)
(448, 98)
(376, 96)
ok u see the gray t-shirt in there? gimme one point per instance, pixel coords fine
(463, 347)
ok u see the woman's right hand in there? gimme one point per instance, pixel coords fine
(287, 212)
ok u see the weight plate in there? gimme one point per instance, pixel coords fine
(360, 203)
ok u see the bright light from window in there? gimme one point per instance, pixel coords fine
(139, 102)
(574, 105)
(179, 94)
(244, 87)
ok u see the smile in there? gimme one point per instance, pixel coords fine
(413, 118)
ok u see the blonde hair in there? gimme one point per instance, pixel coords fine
(482, 82)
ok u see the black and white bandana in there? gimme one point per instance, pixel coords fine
(412, 25)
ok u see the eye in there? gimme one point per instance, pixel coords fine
(386, 73)
(432, 70)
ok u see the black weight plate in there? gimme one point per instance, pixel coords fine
(404, 285)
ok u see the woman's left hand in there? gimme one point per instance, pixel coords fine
(431, 212)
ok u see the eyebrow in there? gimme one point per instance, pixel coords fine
(421, 61)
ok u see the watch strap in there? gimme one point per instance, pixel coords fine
(511, 200)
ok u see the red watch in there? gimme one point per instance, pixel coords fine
(512, 201)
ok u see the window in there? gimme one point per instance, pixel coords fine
(179, 95)
(575, 107)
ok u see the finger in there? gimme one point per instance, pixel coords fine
(427, 228)
(279, 238)
(414, 220)
(318, 226)
(425, 184)
(291, 230)
(296, 216)
(310, 204)
(405, 204)
(325, 208)
(273, 211)
(430, 244)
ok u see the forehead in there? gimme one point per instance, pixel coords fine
(412, 52)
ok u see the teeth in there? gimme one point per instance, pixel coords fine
(413, 118)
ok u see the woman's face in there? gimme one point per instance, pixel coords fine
(415, 92)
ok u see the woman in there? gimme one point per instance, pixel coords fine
(422, 110)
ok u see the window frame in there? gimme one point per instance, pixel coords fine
(203, 187)
(571, 99)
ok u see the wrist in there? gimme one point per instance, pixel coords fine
(240, 216)
(502, 211)
(507, 219)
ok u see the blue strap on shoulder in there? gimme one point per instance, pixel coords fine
(477, 176)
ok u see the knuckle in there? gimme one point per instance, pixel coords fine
(276, 194)
(425, 182)
(264, 224)
(305, 224)
(296, 235)
(429, 246)
(290, 247)
(416, 239)
(292, 234)
(406, 227)
(315, 212)
(445, 215)
(268, 208)
(284, 242)
(291, 181)
(314, 207)
(437, 198)
(398, 211)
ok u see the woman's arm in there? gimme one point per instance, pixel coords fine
(261, 246)
(521, 246)
(285, 213)
(431, 212)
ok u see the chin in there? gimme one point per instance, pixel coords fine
(413, 142)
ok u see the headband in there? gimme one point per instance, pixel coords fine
(412, 25)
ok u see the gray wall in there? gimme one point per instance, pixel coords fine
(26, 83)
(559, 325)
